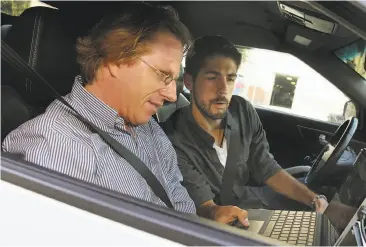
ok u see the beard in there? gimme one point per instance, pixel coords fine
(206, 109)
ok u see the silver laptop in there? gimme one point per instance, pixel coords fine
(312, 229)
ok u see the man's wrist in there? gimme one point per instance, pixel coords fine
(207, 210)
(213, 209)
(316, 198)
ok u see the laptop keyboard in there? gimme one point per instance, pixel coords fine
(293, 227)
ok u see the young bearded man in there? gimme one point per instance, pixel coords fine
(200, 134)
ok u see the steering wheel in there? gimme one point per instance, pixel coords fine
(332, 151)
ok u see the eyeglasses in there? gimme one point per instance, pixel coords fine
(167, 79)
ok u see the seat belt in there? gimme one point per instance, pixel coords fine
(230, 173)
(229, 176)
(11, 57)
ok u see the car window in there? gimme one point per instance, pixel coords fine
(354, 55)
(16, 8)
(281, 82)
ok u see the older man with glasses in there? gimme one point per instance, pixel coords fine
(129, 62)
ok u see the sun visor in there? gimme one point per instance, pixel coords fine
(307, 18)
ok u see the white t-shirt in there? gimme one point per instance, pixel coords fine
(221, 152)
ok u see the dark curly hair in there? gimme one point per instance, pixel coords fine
(208, 46)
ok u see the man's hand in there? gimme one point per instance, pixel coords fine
(321, 205)
(228, 214)
(223, 214)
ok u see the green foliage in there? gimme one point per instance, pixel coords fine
(14, 7)
(244, 53)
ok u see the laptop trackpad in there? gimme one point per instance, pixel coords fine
(255, 225)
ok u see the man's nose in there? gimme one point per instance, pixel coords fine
(169, 92)
(223, 85)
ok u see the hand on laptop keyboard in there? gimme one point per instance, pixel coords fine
(227, 214)
(236, 223)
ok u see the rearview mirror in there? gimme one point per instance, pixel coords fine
(349, 110)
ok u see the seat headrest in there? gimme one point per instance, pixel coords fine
(41, 37)
(169, 108)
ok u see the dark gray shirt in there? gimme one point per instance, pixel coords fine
(198, 160)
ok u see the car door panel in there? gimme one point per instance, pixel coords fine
(292, 138)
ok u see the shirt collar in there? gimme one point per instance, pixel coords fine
(93, 109)
(205, 138)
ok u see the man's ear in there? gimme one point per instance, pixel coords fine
(188, 81)
(113, 69)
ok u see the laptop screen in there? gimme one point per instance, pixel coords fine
(349, 198)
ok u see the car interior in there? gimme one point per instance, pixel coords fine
(322, 152)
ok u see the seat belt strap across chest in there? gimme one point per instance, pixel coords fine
(13, 59)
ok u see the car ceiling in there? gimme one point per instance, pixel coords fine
(255, 23)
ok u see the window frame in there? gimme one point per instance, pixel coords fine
(160, 221)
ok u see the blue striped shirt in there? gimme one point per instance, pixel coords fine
(59, 141)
